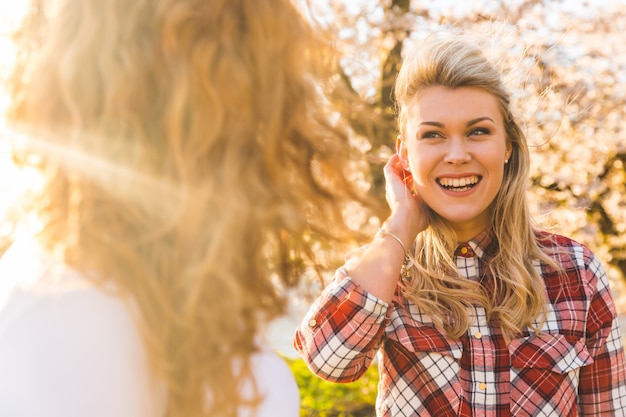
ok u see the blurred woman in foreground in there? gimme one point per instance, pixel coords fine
(187, 157)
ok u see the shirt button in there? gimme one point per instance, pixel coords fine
(463, 250)
(482, 386)
(312, 323)
(478, 335)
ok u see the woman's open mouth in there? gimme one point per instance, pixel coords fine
(459, 184)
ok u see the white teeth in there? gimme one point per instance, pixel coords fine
(458, 182)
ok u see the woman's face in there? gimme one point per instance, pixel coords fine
(455, 147)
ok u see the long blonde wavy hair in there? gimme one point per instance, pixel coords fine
(518, 299)
(189, 160)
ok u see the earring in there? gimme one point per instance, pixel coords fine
(506, 161)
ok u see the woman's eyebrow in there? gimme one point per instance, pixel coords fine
(478, 120)
(469, 123)
(436, 124)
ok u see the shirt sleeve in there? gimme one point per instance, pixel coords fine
(340, 334)
(602, 388)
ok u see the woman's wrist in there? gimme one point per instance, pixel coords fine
(407, 259)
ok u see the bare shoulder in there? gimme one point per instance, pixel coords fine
(276, 384)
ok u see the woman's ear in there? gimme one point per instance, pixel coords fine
(509, 151)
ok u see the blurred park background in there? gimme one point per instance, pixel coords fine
(565, 61)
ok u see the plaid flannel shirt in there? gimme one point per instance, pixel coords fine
(574, 367)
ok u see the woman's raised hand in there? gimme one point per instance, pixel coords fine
(408, 211)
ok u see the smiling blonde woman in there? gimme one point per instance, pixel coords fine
(471, 309)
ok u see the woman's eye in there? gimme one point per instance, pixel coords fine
(431, 135)
(479, 131)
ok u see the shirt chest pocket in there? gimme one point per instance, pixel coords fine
(417, 336)
(545, 372)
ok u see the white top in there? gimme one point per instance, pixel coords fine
(69, 349)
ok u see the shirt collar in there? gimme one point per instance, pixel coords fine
(480, 245)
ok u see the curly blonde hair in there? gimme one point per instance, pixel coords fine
(519, 299)
(190, 159)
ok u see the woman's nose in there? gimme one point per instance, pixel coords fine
(457, 152)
